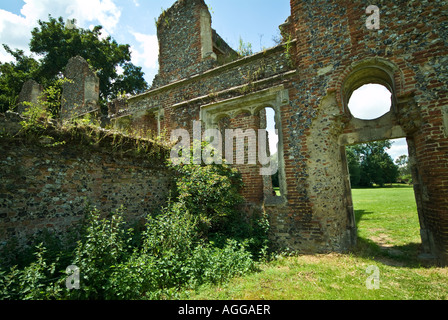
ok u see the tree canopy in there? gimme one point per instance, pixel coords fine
(55, 43)
(369, 164)
(13, 75)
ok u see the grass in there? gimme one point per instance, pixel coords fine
(388, 238)
(387, 217)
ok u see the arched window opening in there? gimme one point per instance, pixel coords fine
(370, 101)
(268, 122)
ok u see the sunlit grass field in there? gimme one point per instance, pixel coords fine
(388, 240)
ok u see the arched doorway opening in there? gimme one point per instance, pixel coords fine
(384, 204)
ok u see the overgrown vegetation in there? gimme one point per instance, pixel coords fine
(40, 125)
(198, 238)
(244, 48)
(388, 239)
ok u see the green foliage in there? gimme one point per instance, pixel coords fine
(57, 44)
(369, 164)
(38, 116)
(404, 169)
(36, 119)
(354, 166)
(12, 77)
(211, 195)
(170, 254)
(209, 192)
(34, 282)
(104, 245)
(244, 48)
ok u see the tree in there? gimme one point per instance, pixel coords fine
(354, 166)
(375, 165)
(404, 169)
(57, 43)
(13, 75)
(130, 80)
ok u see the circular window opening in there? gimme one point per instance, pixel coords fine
(370, 101)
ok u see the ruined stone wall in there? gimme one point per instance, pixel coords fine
(45, 187)
(80, 94)
(181, 55)
(332, 52)
(31, 93)
(237, 78)
(332, 38)
(182, 102)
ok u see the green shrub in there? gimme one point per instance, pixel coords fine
(34, 282)
(211, 193)
(104, 245)
(214, 265)
(199, 238)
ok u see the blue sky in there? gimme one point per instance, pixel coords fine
(133, 22)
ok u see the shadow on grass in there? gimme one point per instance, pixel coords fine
(359, 214)
(406, 255)
(393, 185)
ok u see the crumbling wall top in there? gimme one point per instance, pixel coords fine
(81, 92)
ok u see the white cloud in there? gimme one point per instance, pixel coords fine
(147, 52)
(104, 11)
(399, 147)
(15, 30)
(370, 102)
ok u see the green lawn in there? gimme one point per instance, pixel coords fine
(388, 231)
(387, 218)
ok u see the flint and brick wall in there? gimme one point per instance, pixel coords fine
(181, 56)
(46, 187)
(332, 36)
(332, 48)
(181, 101)
(331, 53)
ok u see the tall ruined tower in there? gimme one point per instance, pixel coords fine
(180, 55)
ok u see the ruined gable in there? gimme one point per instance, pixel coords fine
(187, 43)
(31, 93)
(80, 94)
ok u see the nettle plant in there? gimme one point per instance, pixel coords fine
(209, 192)
(39, 116)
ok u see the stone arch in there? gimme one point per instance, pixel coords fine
(390, 125)
(242, 111)
(252, 105)
(219, 118)
(370, 70)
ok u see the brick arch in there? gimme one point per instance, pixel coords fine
(263, 106)
(370, 70)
